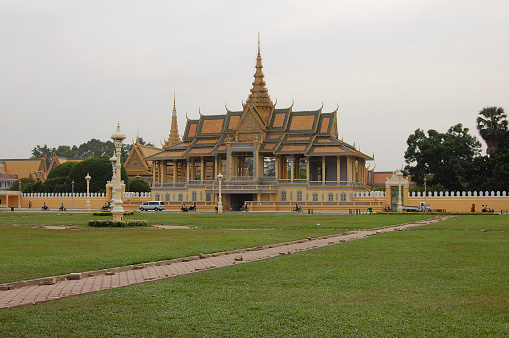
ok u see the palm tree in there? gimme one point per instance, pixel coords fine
(492, 126)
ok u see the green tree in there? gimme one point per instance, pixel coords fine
(99, 168)
(56, 185)
(61, 170)
(96, 147)
(58, 178)
(449, 156)
(40, 152)
(492, 126)
(139, 185)
(33, 187)
(24, 181)
(65, 151)
(492, 173)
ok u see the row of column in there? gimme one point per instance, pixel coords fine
(182, 170)
(354, 168)
(185, 170)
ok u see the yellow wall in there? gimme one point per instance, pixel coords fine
(463, 204)
(448, 203)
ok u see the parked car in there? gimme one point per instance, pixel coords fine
(152, 205)
(423, 207)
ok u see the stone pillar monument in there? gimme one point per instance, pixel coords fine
(116, 193)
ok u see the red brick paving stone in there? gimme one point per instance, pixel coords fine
(40, 293)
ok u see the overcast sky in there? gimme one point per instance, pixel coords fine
(70, 70)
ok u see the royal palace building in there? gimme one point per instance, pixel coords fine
(270, 158)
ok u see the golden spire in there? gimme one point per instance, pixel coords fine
(259, 96)
(174, 107)
(174, 137)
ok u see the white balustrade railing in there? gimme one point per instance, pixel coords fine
(448, 194)
(64, 195)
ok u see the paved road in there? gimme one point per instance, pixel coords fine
(55, 288)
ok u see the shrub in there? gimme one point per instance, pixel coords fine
(110, 223)
(139, 185)
(108, 213)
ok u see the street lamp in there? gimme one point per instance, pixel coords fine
(399, 174)
(88, 191)
(425, 193)
(220, 203)
(19, 195)
(72, 195)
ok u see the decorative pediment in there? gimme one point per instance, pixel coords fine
(135, 160)
(250, 123)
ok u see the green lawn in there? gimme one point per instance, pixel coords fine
(27, 252)
(228, 220)
(451, 280)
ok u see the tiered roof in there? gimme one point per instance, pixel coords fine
(279, 131)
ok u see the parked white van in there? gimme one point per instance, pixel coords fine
(152, 205)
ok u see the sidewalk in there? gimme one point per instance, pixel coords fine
(58, 287)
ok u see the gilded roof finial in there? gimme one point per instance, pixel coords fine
(259, 43)
(259, 96)
(174, 137)
(174, 106)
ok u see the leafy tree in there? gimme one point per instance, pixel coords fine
(57, 185)
(66, 151)
(61, 170)
(447, 156)
(492, 126)
(58, 178)
(139, 185)
(429, 188)
(492, 173)
(40, 152)
(99, 169)
(33, 187)
(24, 181)
(96, 147)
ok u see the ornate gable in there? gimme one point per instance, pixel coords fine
(135, 160)
(250, 124)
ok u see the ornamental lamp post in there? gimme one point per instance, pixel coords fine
(220, 203)
(72, 195)
(113, 161)
(116, 192)
(425, 193)
(399, 174)
(19, 195)
(88, 191)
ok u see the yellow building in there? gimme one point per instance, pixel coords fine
(136, 164)
(34, 168)
(272, 158)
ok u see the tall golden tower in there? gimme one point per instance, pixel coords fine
(174, 137)
(259, 96)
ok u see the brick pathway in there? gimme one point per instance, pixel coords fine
(54, 288)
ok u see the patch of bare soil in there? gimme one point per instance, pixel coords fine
(174, 226)
(58, 227)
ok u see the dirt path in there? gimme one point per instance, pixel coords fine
(58, 287)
